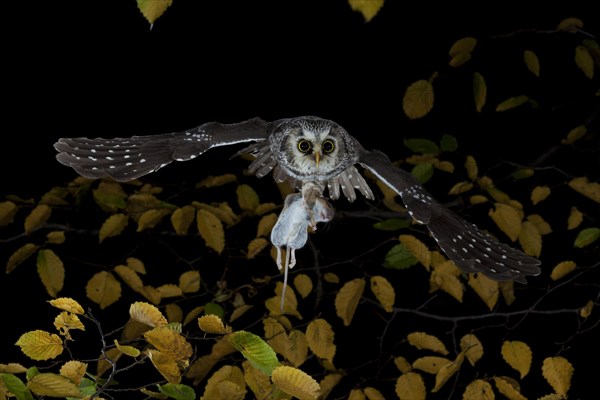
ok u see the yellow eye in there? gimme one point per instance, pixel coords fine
(304, 146)
(328, 146)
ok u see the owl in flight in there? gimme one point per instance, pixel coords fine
(318, 157)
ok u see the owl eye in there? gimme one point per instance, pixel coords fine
(328, 146)
(304, 146)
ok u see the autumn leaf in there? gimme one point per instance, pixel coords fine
(303, 285)
(478, 390)
(74, 370)
(471, 167)
(539, 193)
(472, 347)
(182, 218)
(584, 61)
(512, 102)
(147, 314)
(8, 209)
(55, 237)
(479, 91)
(40, 345)
(295, 382)
(575, 134)
(20, 255)
(530, 239)
(103, 289)
(169, 343)
(570, 24)
(558, 372)
(189, 281)
(319, 336)
(265, 225)
(463, 45)
(486, 288)
(255, 247)
(508, 387)
(214, 181)
(247, 198)
(384, 292)
(347, 298)
(213, 324)
(417, 248)
(418, 99)
(37, 217)
(113, 226)
(211, 230)
(165, 365)
(590, 190)
(561, 269)
(153, 9)
(508, 220)
(518, 355)
(51, 270)
(53, 385)
(532, 62)
(127, 350)
(575, 218)
(410, 386)
(150, 218)
(368, 8)
(425, 341)
(130, 277)
(430, 364)
(447, 371)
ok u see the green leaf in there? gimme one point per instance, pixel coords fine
(255, 350)
(448, 143)
(87, 387)
(399, 257)
(16, 386)
(214, 309)
(587, 237)
(392, 224)
(425, 146)
(423, 172)
(177, 391)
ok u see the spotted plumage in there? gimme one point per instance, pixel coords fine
(309, 152)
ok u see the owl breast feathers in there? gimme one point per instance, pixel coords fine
(304, 151)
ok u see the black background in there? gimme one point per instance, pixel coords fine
(97, 69)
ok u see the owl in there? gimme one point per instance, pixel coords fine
(319, 158)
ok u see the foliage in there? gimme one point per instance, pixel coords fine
(196, 306)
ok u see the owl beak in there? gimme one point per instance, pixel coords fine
(317, 158)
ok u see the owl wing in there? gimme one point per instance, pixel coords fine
(471, 249)
(124, 159)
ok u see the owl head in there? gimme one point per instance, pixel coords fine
(312, 148)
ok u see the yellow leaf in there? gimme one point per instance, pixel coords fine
(532, 62)
(37, 217)
(356, 394)
(264, 208)
(445, 166)
(539, 193)
(147, 314)
(418, 99)
(153, 9)
(189, 281)
(227, 383)
(590, 190)
(127, 350)
(384, 291)
(373, 394)
(239, 311)
(222, 211)
(575, 218)
(20, 255)
(214, 181)
(464, 45)
(417, 248)
(430, 364)
(486, 288)
(442, 278)
(402, 364)
(130, 277)
(12, 368)
(151, 294)
(540, 224)
(410, 386)
(255, 247)
(479, 390)
(53, 385)
(518, 355)
(211, 230)
(66, 321)
(51, 271)
(425, 341)
(193, 314)
(113, 226)
(477, 199)
(259, 383)
(319, 336)
(471, 168)
(460, 187)
(74, 370)
(570, 24)
(165, 365)
(150, 218)
(290, 305)
(103, 289)
(103, 365)
(575, 134)
(295, 382)
(40, 345)
(558, 372)
(8, 209)
(265, 225)
(368, 8)
(447, 371)
(459, 59)
(509, 388)
(479, 91)
(472, 348)
(530, 239)
(584, 61)
(169, 342)
(347, 298)
(55, 237)
(213, 324)
(561, 269)
(330, 277)
(508, 220)
(586, 310)
(512, 102)
(247, 198)
(182, 218)
(303, 285)
(174, 313)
